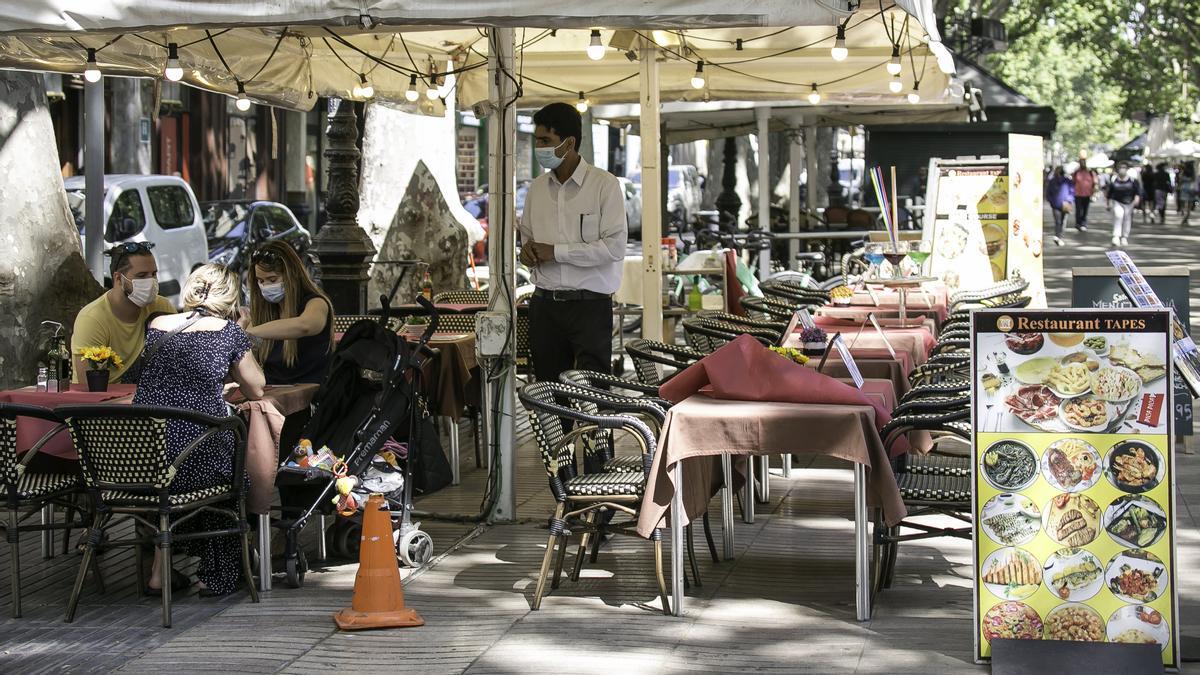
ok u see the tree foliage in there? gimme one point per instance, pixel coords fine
(1098, 62)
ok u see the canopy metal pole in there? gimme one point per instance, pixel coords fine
(811, 168)
(502, 262)
(93, 179)
(795, 158)
(652, 198)
(762, 115)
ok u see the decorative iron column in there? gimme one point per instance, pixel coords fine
(343, 248)
(728, 201)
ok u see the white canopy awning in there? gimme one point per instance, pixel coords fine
(684, 122)
(289, 52)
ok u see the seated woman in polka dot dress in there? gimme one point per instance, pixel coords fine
(188, 370)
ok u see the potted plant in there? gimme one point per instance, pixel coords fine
(99, 361)
(814, 340)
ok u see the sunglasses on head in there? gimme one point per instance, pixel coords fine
(130, 247)
(265, 256)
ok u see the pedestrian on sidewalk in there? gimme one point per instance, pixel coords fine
(1187, 190)
(1162, 188)
(1085, 187)
(1147, 178)
(1123, 195)
(1060, 193)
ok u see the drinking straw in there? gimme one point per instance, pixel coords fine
(895, 216)
(875, 182)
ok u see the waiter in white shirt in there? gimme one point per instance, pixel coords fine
(573, 234)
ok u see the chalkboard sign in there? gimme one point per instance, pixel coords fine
(1097, 287)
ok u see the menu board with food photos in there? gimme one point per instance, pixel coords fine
(1073, 473)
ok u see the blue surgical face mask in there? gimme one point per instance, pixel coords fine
(547, 157)
(272, 293)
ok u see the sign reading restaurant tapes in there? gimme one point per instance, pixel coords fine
(1074, 476)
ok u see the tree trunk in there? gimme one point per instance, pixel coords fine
(43, 276)
(131, 104)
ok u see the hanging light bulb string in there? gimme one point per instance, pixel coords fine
(241, 83)
(913, 64)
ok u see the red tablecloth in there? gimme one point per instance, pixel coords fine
(30, 430)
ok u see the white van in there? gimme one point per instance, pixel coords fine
(161, 209)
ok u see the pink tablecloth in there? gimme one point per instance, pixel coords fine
(699, 429)
(264, 421)
(916, 341)
(935, 301)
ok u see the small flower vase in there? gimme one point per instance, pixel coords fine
(843, 301)
(97, 380)
(814, 348)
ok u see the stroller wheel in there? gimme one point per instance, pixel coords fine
(415, 549)
(296, 567)
(349, 537)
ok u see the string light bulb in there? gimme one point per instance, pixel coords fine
(91, 72)
(698, 77)
(364, 89)
(595, 48)
(914, 96)
(241, 102)
(896, 86)
(432, 92)
(839, 51)
(582, 104)
(893, 64)
(814, 96)
(173, 71)
(411, 94)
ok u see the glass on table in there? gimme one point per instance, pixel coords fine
(874, 255)
(919, 252)
(895, 254)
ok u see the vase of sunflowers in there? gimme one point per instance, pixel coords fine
(99, 360)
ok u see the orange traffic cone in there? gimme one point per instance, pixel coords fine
(378, 596)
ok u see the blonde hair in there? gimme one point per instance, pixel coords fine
(213, 288)
(280, 258)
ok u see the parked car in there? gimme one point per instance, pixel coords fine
(685, 191)
(633, 205)
(159, 209)
(236, 228)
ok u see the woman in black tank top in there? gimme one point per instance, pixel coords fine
(290, 318)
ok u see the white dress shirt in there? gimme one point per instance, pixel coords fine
(584, 219)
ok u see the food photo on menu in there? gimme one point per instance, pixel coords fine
(1064, 382)
(1073, 490)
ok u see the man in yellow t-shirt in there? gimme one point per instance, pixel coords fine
(118, 318)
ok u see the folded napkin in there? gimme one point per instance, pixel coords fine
(744, 370)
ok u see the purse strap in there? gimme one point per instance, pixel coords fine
(151, 351)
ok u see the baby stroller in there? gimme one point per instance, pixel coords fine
(369, 400)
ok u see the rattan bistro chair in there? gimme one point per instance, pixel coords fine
(461, 297)
(123, 454)
(27, 493)
(651, 359)
(935, 484)
(580, 497)
(767, 308)
(343, 322)
(748, 322)
(709, 335)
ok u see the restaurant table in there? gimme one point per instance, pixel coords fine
(704, 434)
(933, 300)
(413, 309)
(916, 341)
(858, 312)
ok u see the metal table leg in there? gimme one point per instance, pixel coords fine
(321, 552)
(764, 479)
(748, 497)
(727, 507)
(48, 535)
(862, 562)
(787, 465)
(264, 551)
(677, 544)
